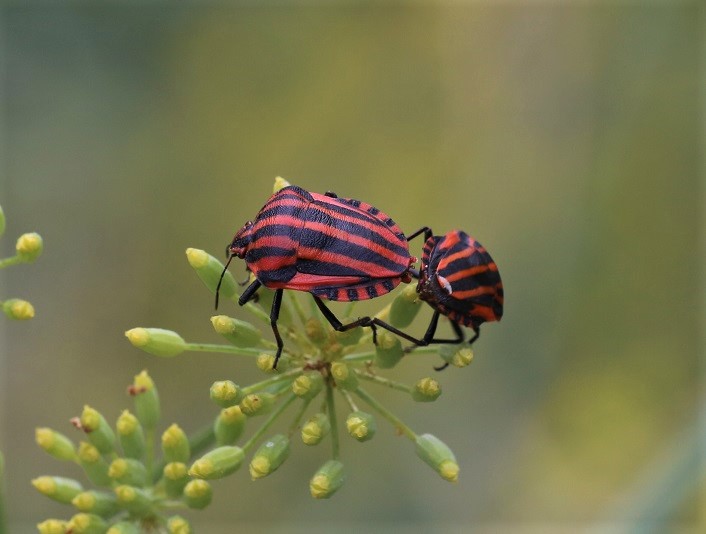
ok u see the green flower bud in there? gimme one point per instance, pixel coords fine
(96, 502)
(176, 475)
(426, 390)
(178, 525)
(269, 456)
(134, 500)
(131, 435)
(435, 453)
(52, 526)
(308, 385)
(146, 400)
(257, 404)
(458, 356)
(280, 183)
(388, 351)
(209, 270)
(175, 445)
(157, 341)
(18, 309)
(314, 330)
(344, 376)
(327, 480)
(86, 524)
(315, 429)
(97, 430)
(94, 465)
(128, 471)
(239, 333)
(198, 494)
(217, 463)
(58, 488)
(404, 308)
(361, 425)
(266, 363)
(351, 336)
(29, 247)
(124, 527)
(225, 393)
(229, 425)
(56, 444)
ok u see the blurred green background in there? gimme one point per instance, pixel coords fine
(566, 138)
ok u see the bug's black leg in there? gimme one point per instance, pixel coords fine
(339, 326)
(423, 230)
(330, 194)
(274, 315)
(249, 293)
(460, 336)
(476, 336)
(220, 280)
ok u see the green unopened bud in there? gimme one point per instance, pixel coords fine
(218, 463)
(176, 475)
(146, 398)
(314, 329)
(327, 480)
(178, 525)
(426, 390)
(96, 502)
(29, 247)
(134, 500)
(97, 430)
(456, 356)
(315, 429)
(157, 341)
(209, 270)
(58, 488)
(52, 526)
(131, 435)
(128, 471)
(18, 309)
(344, 376)
(361, 425)
(280, 183)
(124, 527)
(308, 385)
(94, 465)
(350, 336)
(266, 363)
(175, 445)
(229, 425)
(86, 524)
(257, 404)
(269, 456)
(225, 393)
(239, 333)
(56, 444)
(198, 494)
(404, 308)
(388, 351)
(436, 454)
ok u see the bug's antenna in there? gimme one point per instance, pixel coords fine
(218, 287)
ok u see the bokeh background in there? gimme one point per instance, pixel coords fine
(566, 137)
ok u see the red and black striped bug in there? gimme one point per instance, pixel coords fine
(334, 248)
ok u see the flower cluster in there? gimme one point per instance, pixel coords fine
(27, 249)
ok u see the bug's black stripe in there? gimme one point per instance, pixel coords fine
(256, 254)
(323, 268)
(372, 210)
(344, 209)
(352, 294)
(372, 292)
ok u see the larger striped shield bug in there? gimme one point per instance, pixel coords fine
(337, 249)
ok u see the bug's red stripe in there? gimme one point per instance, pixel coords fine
(470, 293)
(323, 255)
(356, 224)
(471, 271)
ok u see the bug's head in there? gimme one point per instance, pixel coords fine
(241, 242)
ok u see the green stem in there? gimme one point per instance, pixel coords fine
(298, 308)
(268, 423)
(252, 388)
(363, 356)
(349, 400)
(387, 414)
(225, 349)
(384, 381)
(298, 418)
(14, 260)
(331, 409)
(149, 452)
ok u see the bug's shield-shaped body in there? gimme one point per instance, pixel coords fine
(460, 279)
(336, 248)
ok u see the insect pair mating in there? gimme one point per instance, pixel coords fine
(342, 249)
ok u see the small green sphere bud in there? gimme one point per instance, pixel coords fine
(388, 351)
(308, 385)
(86, 524)
(239, 333)
(229, 425)
(361, 425)
(280, 183)
(18, 309)
(131, 435)
(404, 308)
(134, 500)
(157, 341)
(94, 465)
(344, 376)
(146, 398)
(217, 463)
(315, 429)
(98, 430)
(269, 456)
(437, 455)
(257, 404)
(314, 330)
(29, 247)
(178, 525)
(176, 475)
(266, 363)
(175, 445)
(198, 494)
(52, 526)
(458, 357)
(209, 270)
(56, 444)
(124, 527)
(327, 480)
(426, 390)
(128, 471)
(58, 488)
(225, 393)
(96, 502)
